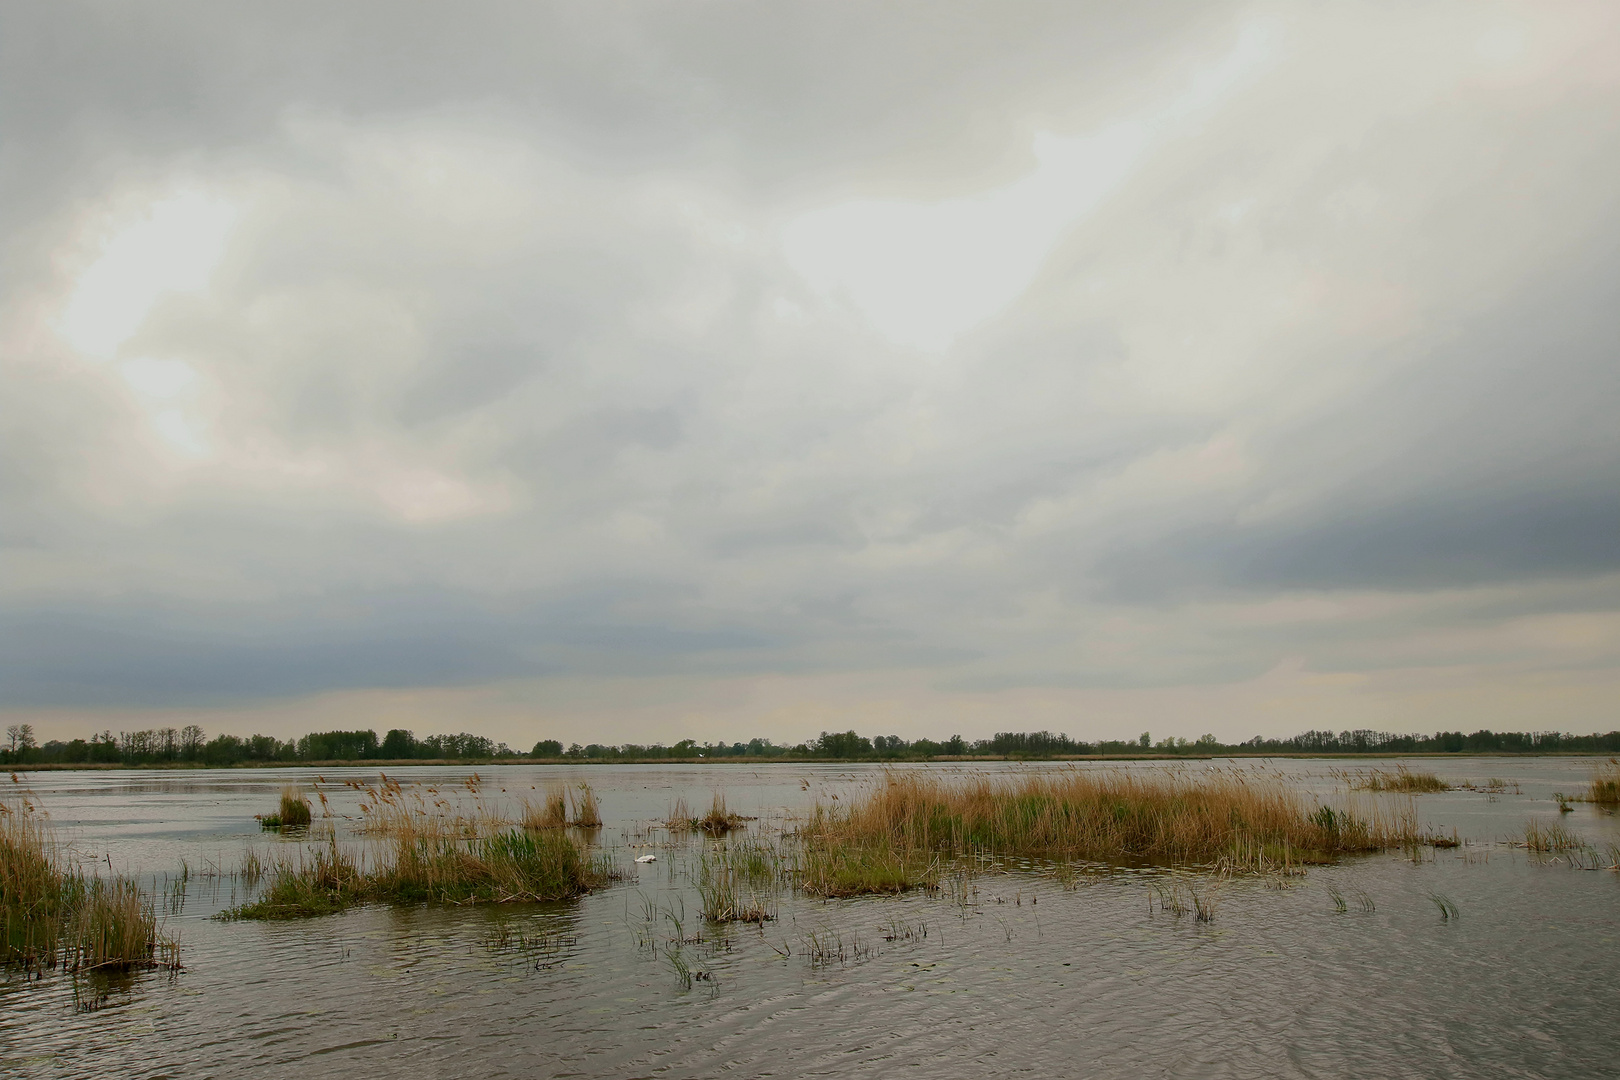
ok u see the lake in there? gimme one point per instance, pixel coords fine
(1022, 973)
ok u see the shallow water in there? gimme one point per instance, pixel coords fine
(1026, 977)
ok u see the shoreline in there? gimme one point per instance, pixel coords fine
(397, 763)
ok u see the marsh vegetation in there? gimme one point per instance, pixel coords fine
(1605, 787)
(899, 834)
(292, 813)
(54, 914)
(1399, 779)
(719, 821)
(429, 866)
(422, 851)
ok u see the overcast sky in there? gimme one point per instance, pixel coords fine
(635, 372)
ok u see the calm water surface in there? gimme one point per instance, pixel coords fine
(1027, 977)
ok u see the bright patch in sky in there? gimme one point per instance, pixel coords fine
(174, 249)
(924, 273)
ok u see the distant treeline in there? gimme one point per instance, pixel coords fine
(188, 745)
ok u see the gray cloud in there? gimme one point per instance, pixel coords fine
(503, 371)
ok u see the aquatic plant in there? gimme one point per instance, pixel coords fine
(292, 813)
(51, 914)
(719, 821)
(1605, 786)
(1401, 779)
(1205, 897)
(680, 817)
(1445, 905)
(891, 837)
(425, 858)
(831, 869)
(727, 892)
(1549, 837)
(552, 813)
(586, 814)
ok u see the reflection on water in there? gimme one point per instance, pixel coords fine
(1350, 971)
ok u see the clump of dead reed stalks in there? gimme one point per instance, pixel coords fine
(51, 914)
(428, 858)
(1550, 837)
(552, 813)
(893, 836)
(393, 811)
(293, 813)
(719, 821)
(1401, 779)
(680, 819)
(586, 814)
(1605, 786)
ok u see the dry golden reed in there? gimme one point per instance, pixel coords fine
(1605, 787)
(586, 813)
(551, 813)
(51, 914)
(420, 856)
(894, 835)
(1399, 779)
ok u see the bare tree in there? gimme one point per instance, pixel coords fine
(13, 736)
(25, 737)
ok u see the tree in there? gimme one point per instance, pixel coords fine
(25, 736)
(398, 743)
(1145, 740)
(547, 748)
(13, 737)
(842, 744)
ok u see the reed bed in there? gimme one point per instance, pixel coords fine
(717, 822)
(586, 813)
(53, 914)
(1605, 786)
(552, 813)
(430, 858)
(394, 812)
(1400, 779)
(894, 836)
(680, 819)
(1549, 837)
(292, 813)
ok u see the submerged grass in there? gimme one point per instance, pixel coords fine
(292, 813)
(51, 914)
(717, 822)
(586, 813)
(423, 858)
(895, 836)
(680, 819)
(552, 813)
(1399, 779)
(731, 892)
(1549, 837)
(1605, 787)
